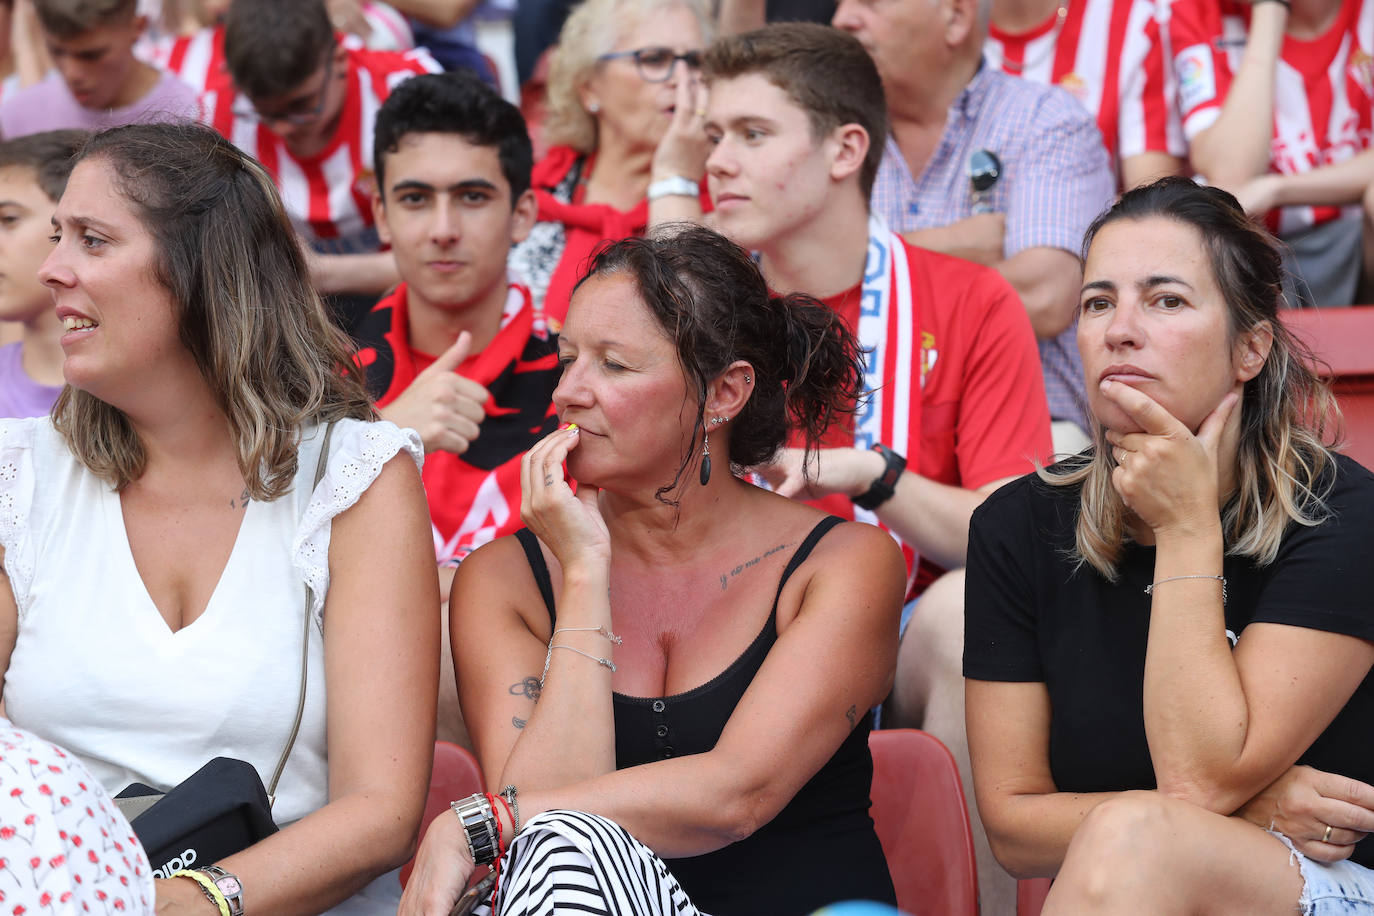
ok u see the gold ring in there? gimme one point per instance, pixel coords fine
(1326, 837)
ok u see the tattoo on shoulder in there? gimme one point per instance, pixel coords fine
(852, 714)
(726, 577)
(528, 688)
(517, 721)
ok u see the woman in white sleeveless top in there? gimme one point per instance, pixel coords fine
(158, 534)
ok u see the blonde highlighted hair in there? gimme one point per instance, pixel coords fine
(592, 29)
(1288, 415)
(247, 312)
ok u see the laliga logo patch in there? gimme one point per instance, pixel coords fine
(1197, 83)
(176, 864)
(1361, 71)
(1076, 85)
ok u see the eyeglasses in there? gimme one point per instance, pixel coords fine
(655, 65)
(244, 109)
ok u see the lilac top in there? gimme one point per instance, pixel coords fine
(50, 105)
(1056, 178)
(21, 396)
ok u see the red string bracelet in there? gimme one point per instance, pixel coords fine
(500, 848)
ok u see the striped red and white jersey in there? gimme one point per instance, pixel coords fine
(1112, 57)
(1323, 88)
(328, 196)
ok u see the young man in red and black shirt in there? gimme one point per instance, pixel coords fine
(458, 351)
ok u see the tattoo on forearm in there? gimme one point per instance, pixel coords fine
(517, 721)
(852, 714)
(528, 688)
(726, 577)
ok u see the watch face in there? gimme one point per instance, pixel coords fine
(229, 886)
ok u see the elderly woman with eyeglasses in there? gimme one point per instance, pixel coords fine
(625, 128)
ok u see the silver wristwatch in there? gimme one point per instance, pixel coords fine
(479, 824)
(228, 884)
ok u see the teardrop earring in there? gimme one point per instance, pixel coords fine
(705, 459)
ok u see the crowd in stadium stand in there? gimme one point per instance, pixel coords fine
(658, 398)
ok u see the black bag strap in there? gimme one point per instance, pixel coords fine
(305, 639)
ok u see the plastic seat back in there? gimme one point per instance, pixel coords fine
(456, 775)
(923, 823)
(1030, 895)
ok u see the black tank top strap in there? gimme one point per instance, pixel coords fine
(535, 556)
(804, 551)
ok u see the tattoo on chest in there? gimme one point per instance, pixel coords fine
(528, 688)
(852, 714)
(726, 577)
(241, 502)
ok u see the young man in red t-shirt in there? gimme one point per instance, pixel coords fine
(957, 402)
(458, 351)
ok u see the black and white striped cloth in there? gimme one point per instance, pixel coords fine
(570, 861)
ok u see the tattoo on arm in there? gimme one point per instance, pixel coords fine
(725, 578)
(852, 714)
(517, 721)
(528, 688)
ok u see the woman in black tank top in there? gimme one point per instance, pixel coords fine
(671, 665)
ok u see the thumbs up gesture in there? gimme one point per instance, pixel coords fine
(442, 406)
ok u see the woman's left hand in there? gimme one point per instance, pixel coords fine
(1165, 474)
(684, 147)
(1323, 814)
(443, 867)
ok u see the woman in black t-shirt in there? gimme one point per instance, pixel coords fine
(1105, 597)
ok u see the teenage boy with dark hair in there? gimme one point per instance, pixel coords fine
(285, 88)
(957, 403)
(96, 81)
(33, 175)
(458, 351)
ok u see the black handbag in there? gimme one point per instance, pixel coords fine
(221, 808)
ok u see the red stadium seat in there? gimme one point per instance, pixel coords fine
(1341, 338)
(923, 824)
(1030, 895)
(456, 775)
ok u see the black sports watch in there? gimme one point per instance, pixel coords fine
(886, 484)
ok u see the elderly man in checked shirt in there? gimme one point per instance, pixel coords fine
(945, 105)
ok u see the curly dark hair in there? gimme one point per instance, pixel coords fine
(710, 298)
